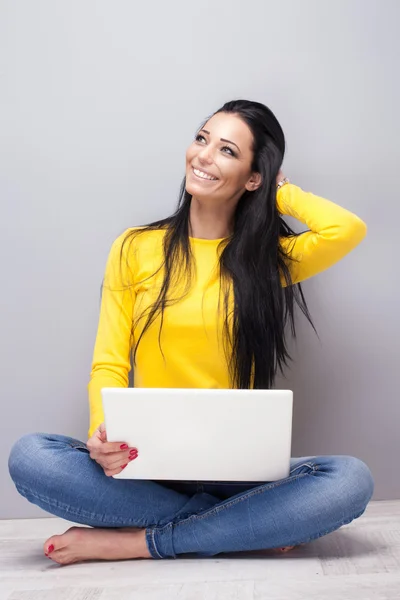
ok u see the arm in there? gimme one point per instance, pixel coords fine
(334, 231)
(111, 356)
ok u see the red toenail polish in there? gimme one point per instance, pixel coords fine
(50, 548)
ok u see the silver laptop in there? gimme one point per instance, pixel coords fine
(202, 434)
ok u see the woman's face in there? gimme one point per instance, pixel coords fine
(222, 151)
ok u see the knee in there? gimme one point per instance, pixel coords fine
(359, 481)
(25, 456)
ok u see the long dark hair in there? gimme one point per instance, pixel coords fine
(251, 260)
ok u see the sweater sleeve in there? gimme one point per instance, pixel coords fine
(334, 232)
(111, 357)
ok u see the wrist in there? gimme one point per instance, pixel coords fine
(282, 182)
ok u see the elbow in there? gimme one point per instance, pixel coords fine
(355, 231)
(114, 375)
(362, 228)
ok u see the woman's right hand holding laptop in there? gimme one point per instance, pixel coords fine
(113, 457)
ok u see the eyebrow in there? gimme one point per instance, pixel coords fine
(222, 139)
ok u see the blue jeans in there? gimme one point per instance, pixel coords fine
(321, 494)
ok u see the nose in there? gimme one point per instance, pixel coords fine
(205, 155)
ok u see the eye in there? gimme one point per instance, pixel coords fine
(232, 153)
(230, 150)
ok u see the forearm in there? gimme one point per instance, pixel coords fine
(98, 381)
(334, 231)
(317, 213)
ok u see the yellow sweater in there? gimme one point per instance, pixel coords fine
(192, 330)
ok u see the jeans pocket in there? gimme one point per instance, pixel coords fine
(81, 446)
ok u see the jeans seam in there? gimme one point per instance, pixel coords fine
(213, 511)
(200, 484)
(66, 507)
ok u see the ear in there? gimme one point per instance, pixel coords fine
(254, 182)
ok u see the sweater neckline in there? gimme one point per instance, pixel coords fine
(206, 241)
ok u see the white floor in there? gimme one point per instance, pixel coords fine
(360, 561)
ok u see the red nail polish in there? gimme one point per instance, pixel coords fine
(133, 451)
(132, 457)
(50, 548)
(123, 466)
(124, 446)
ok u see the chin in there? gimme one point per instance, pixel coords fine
(196, 190)
(191, 186)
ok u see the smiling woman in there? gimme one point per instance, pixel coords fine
(227, 241)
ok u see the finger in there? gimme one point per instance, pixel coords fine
(112, 447)
(102, 432)
(113, 461)
(111, 472)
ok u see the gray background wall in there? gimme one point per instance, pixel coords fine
(99, 101)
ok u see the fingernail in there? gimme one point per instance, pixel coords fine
(133, 451)
(123, 466)
(133, 457)
(50, 548)
(124, 446)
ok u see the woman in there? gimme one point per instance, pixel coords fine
(224, 268)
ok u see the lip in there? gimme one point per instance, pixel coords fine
(206, 172)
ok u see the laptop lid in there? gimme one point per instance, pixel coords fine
(202, 434)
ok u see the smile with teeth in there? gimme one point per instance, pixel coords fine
(203, 175)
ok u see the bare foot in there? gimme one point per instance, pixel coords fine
(83, 543)
(286, 548)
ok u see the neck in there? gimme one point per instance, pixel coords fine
(210, 222)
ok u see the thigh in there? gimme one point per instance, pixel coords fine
(56, 473)
(346, 476)
(226, 489)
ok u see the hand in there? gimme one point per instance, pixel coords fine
(111, 456)
(280, 176)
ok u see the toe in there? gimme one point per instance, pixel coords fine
(53, 544)
(50, 545)
(285, 549)
(60, 557)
